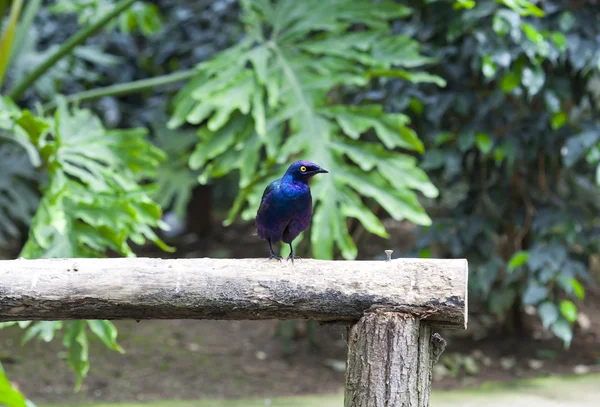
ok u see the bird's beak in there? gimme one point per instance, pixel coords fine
(321, 171)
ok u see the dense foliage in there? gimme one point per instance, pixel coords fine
(513, 144)
(93, 181)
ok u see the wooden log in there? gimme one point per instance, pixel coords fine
(390, 361)
(142, 288)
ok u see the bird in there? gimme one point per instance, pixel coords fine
(285, 208)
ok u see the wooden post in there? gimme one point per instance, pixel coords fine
(390, 361)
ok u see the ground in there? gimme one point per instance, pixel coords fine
(557, 391)
(222, 359)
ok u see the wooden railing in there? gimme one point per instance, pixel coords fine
(390, 307)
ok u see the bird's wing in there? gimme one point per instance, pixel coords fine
(264, 201)
(273, 185)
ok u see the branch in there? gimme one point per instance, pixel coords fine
(78, 38)
(125, 88)
(141, 288)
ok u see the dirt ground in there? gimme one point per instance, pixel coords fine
(224, 359)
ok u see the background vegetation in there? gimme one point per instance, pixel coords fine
(475, 120)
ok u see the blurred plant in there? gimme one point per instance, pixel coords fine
(16, 33)
(174, 178)
(93, 202)
(9, 395)
(93, 199)
(523, 7)
(43, 70)
(142, 16)
(513, 144)
(280, 93)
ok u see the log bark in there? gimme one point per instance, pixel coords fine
(390, 361)
(141, 288)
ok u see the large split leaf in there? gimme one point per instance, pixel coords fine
(281, 94)
(93, 202)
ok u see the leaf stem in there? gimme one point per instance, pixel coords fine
(78, 38)
(125, 88)
(3, 5)
(31, 10)
(6, 39)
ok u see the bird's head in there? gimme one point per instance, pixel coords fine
(304, 170)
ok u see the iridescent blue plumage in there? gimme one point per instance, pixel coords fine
(286, 206)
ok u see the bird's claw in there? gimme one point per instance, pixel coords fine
(274, 256)
(292, 257)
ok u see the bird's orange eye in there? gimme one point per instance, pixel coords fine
(303, 168)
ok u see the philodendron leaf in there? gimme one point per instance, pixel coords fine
(277, 96)
(93, 201)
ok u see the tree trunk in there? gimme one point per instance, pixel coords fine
(390, 361)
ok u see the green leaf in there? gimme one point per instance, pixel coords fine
(443, 138)
(548, 313)
(44, 329)
(174, 179)
(533, 80)
(106, 331)
(9, 396)
(342, 236)
(489, 67)
(598, 175)
(484, 142)
(531, 33)
(558, 120)
(510, 81)
(370, 155)
(577, 145)
(568, 310)
(577, 288)
(466, 4)
(534, 293)
(75, 340)
(356, 209)
(552, 102)
(322, 236)
(562, 329)
(517, 260)
(560, 40)
(414, 77)
(399, 204)
(523, 7)
(216, 143)
(391, 128)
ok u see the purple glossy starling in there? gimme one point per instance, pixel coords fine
(286, 206)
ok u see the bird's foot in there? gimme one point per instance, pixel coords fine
(274, 256)
(292, 256)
